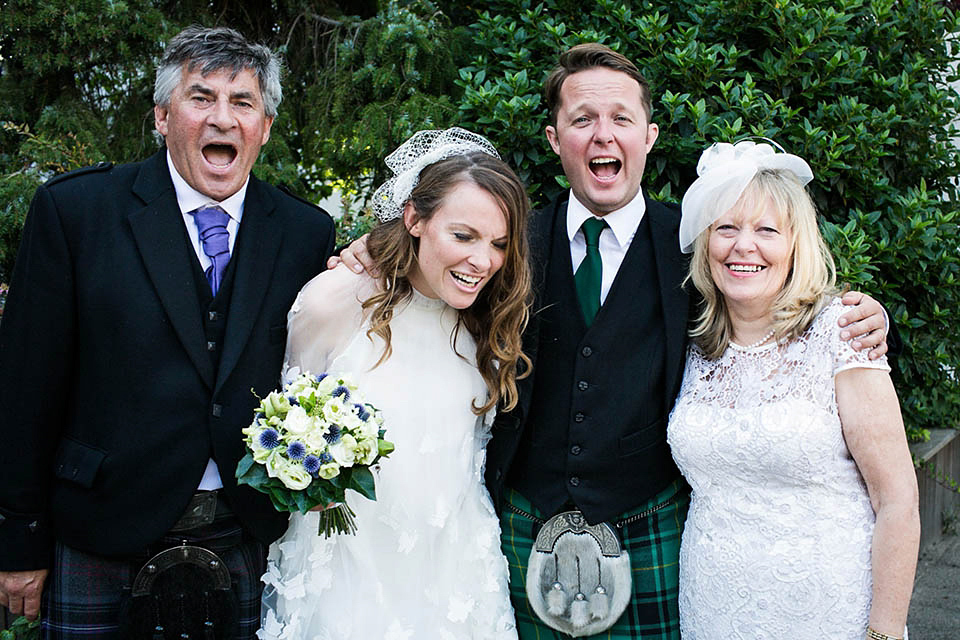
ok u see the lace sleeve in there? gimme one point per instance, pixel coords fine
(844, 357)
(323, 318)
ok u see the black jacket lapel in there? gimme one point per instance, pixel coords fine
(158, 231)
(256, 249)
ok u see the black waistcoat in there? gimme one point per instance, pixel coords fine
(213, 309)
(596, 427)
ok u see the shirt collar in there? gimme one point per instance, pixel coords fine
(623, 222)
(190, 199)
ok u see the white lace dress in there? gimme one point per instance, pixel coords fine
(426, 561)
(777, 541)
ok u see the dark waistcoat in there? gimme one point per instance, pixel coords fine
(213, 309)
(596, 427)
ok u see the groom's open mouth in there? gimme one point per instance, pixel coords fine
(220, 155)
(605, 168)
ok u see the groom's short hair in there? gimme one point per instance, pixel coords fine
(586, 56)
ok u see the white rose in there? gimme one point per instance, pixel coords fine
(301, 385)
(329, 470)
(328, 384)
(350, 419)
(274, 462)
(297, 421)
(344, 451)
(334, 411)
(366, 451)
(294, 477)
(314, 440)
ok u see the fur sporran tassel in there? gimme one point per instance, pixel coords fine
(599, 603)
(556, 598)
(579, 611)
(599, 600)
(580, 607)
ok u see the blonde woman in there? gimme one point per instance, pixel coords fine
(803, 521)
(434, 340)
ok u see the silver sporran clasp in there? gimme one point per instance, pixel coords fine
(578, 575)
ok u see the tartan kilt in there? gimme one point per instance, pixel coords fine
(654, 547)
(84, 593)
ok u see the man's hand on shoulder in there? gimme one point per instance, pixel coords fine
(355, 257)
(20, 591)
(864, 324)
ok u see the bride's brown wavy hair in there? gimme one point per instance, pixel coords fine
(498, 316)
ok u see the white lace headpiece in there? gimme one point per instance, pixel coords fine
(725, 170)
(413, 156)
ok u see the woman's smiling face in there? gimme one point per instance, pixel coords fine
(462, 245)
(750, 253)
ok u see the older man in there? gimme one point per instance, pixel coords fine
(146, 303)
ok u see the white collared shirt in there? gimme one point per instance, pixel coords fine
(614, 240)
(189, 199)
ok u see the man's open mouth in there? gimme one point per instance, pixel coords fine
(605, 168)
(219, 155)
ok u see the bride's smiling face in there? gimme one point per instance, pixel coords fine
(461, 246)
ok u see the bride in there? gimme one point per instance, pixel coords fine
(433, 340)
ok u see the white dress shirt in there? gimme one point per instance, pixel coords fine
(615, 239)
(189, 199)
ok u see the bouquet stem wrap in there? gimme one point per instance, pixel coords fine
(336, 520)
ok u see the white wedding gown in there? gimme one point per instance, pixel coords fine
(777, 541)
(426, 560)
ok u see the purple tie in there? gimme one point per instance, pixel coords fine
(212, 223)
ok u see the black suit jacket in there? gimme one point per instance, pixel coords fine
(109, 399)
(675, 301)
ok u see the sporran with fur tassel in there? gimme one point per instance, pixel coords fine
(578, 576)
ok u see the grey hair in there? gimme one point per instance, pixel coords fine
(214, 49)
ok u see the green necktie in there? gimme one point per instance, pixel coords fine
(588, 275)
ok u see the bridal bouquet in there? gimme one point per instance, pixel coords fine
(309, 443)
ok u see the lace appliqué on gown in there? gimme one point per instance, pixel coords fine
(777, 541)
(426, 560)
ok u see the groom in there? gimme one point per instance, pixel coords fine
(147, 305)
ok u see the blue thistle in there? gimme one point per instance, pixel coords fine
(326, 458)
(296, 451)
(269, 438)
(341, 391)
(332, 436)
(293, 400)
(312, 464)
(258, 416)
(321, 377)
(362, 412)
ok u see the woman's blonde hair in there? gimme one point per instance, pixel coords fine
(811, 278)
(498, 316)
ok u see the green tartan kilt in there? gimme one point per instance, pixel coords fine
(654, 547)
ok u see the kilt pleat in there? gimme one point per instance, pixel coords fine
(653, 543)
